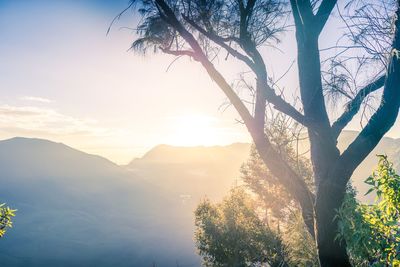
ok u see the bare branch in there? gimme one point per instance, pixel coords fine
(280, 104)
(296, 14)
(179, 53)
(302, 13)
(354, 105)
(117, 17)
(324, 11)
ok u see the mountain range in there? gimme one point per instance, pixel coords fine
(76, 209)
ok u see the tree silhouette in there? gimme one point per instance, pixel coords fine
(201, 29)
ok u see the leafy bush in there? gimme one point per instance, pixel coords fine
(372, 232)
(6, 215)
(231, 234)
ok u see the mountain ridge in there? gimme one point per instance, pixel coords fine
(20, 140)
(79, 209)
(76, 209)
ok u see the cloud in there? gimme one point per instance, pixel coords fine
(36, 99)
(85, 134)
(45, 120)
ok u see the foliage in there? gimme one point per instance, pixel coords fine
(222, 18)
(270, 203)
(273, 196)
(300, 246)
(231, 234)
(372, 232)
(277, 207)
(6, 214)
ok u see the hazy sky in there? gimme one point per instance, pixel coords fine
(63, 79)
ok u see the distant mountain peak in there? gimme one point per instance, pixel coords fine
(29, 139)
(35, 149)
(183, 154)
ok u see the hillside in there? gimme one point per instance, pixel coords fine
(194, 171)
(162, 153)
(212, 171)
(387, 146)
(76, 209)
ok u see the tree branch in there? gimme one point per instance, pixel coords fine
(384, 118)
(323, 150)
(281, 105)
(294, 184)
(202, 58)
(302, 13)
(323, 13)
(179, 53)
(221, 42)
(354, 105)
(261, 72)
(269, 93)
(296, 15)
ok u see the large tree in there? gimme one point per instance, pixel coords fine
(201, 29)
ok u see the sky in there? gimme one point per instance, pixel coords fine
(63, 78)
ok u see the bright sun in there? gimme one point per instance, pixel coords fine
(194, 130)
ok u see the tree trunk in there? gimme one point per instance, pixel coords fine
(331, 251)
(324, 153)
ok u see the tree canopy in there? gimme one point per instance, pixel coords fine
(231, 234)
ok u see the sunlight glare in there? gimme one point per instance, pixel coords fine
(194, 130)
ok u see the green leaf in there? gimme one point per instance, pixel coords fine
(369, 191)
